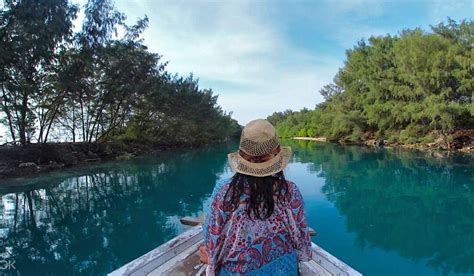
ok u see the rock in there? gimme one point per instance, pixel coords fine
(379, 142)
(343, 140)
(461, 141)
(28, 165)
(468, 149)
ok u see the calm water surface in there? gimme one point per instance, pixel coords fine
(384, 212)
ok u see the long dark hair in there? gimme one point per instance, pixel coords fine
(262, 193)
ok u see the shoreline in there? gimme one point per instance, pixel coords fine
(36, 159)
(384, 144)
(318, 139)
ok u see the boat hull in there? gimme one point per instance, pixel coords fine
(180, 256)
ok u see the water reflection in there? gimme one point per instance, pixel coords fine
(417, 205)
(92, 220)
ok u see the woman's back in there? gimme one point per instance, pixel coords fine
(256, 223)
(244, 244)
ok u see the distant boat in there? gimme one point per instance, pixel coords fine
(180, 256)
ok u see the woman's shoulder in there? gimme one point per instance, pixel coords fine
(293, 190)
(220, 188)
(290, 184)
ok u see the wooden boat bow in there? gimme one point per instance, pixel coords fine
(180, 256)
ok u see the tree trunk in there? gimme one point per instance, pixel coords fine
(51, 123)
(83, 122)
(9, 116)
(73, 124)
(22, 123)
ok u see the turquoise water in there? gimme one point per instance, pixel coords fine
(384, 212)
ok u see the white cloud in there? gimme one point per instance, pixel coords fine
(231, 47)
(240, 48)
(237, 49)
(456, 9)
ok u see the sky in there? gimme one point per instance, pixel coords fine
(266, 56)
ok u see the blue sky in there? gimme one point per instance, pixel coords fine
(265, 56)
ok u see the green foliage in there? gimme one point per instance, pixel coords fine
(176, 111)
(31, 34)
(94, 85)
(278, 117)
(398, 87)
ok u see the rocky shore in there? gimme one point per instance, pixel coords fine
(462, 141)
(37, 158)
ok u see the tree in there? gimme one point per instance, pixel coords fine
(96, 85)
(404, 87)
(31, 33)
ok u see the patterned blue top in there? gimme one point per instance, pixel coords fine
(237, 244)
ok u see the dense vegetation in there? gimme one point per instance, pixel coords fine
(94, 84)
(409, 88)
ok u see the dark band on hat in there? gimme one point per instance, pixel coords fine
(261, 158)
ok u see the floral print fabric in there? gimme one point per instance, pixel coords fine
(239, 245)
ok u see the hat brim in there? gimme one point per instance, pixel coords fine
(267, 168)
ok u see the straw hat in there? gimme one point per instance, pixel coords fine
(260, 153)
